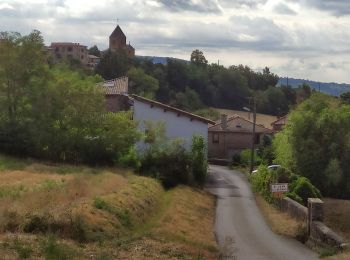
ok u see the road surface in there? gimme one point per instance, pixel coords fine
(241, 230)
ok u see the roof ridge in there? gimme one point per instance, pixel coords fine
(174, 109)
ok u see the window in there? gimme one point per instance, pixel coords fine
(82, 57)
(57, 49)
(69, 49)
(82, 50)
(215, 138)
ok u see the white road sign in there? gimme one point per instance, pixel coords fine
(279, 187)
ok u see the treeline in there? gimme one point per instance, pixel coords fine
(197, 85)
(52, 112)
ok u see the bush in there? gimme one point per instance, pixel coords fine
(300, 188)
(52, 249)
(245, 157)
(187, 167)
(199, 163)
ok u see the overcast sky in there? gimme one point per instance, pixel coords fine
(307, 39)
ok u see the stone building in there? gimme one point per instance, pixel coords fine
(117, 41)
(69, 51)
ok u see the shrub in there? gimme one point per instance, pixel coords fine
(300, 188)
(169, 162)
(245, 157)
(53, 250)
(24, 251)
(199, 163)
(236, 160)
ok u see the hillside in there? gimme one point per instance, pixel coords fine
(76, 212)
(158, 60)
(331, 88)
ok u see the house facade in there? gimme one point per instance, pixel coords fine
(69, 51)
(178, 124)
(232, 135)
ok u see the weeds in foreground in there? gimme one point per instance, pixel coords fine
(23, 250)
(122, 214)
(54, 250)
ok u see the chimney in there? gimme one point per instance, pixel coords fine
(223, 121)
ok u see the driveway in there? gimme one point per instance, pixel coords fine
(241, 230)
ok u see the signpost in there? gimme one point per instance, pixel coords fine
(278, 189)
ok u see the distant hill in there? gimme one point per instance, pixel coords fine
(334, 89)
(158, 60)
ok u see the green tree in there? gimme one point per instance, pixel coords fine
(142, 84)
(345, 97)
(197, 58)
(94, 51)
(113, 65)
(315, 143)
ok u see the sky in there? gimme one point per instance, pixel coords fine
(308, 39)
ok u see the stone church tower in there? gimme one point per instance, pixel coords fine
(117, 41)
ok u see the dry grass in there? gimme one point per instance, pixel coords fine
(261, 119)
(280, 222)
(116, 214)
(189, 217)
(337, 217)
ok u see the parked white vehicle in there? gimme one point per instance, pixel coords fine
(272, 167)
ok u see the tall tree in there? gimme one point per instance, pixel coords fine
(197, 58)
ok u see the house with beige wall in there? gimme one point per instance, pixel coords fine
(69, 51)
(231, 135)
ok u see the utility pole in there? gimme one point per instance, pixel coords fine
(252, 152)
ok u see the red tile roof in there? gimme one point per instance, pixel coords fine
(116, 86)
(240, 125)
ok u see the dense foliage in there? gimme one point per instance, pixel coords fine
(316, 144)
(172, 164)
(53, 112)
(197, 85)
(300, 188)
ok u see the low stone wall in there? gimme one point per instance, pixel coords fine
(293, 208)
(323, 236)
(320, 236)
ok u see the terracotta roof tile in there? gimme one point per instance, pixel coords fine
(239, 124)
(116, 86)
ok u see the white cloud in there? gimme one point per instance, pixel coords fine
(308, 39)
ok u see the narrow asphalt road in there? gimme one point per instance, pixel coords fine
(241, 230)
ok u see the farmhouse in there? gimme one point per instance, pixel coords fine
(179, 124)
(232, 135)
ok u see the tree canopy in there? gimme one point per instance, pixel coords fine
(315, 143)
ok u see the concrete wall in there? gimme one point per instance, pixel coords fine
(293, 208)
(230, 143)
(177, 126)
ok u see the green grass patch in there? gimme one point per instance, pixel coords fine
(12, 164)
(122, 214)
(12, 191)
(23, 250)
(53, 250)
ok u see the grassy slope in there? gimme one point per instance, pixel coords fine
(99, 214)
(262, 119)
